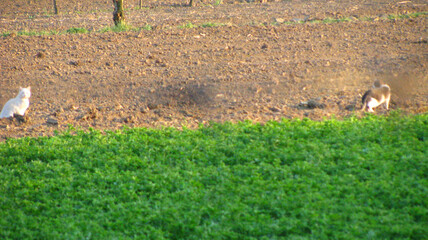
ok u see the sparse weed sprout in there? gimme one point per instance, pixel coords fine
(147, 27)
(187, 25)
(210, 24)
(5, 34)
(77, 30)
(123, 27)
(218, 2)
(127, 27)
(410, 15)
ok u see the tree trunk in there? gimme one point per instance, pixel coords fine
(141, 4)
(191, 3)
(118, 14)
(55, 7)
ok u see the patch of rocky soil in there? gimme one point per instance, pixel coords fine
(258, 61)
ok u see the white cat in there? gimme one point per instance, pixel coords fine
(17, 105)
(379, 94)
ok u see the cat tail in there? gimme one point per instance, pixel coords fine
(364, 100)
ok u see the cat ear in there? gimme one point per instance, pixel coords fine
(29, 88)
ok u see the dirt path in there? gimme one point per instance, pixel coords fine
(253, 66)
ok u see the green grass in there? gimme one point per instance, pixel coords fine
(36, 33)
(410, 15)
(127, 27)
(333, 20)
(211, 24)
(119, 28)
(147, 27)
(77, 30)
(295, 179)
(45, 33)
(218, 2)
(187, 25)
(5, 34)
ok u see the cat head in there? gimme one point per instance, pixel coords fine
(24, 92)
(377, 83)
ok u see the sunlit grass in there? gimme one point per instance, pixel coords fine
(294, 179)
(127, 27)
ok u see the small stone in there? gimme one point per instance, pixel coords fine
(350, 107)
(275, 109)
(56, 73)
(152, 106)
(40, 55)
(129, 119)
(75, 63)
(52, 121)
(297, 20)
(312, 104)
(144, 109)
(353, 18)
(279, 20)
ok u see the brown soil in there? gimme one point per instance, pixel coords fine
(253, 67)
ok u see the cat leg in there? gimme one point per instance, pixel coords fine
(387, 103)
(372, 103)
(368, 107)
(6, 114)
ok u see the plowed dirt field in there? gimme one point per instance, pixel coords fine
(214, 62)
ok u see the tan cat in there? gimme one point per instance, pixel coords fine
(378, 95)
